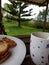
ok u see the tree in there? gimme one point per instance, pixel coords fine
(42, 17)
(16, 11)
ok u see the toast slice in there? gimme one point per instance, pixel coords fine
(3, 47)
(5, 57)
(10, 42)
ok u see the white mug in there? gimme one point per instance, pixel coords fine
(39, 48)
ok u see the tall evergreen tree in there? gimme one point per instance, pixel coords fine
(16, 11)
(41, 15)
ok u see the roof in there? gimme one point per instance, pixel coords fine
(36, 2)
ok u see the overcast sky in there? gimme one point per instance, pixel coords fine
(36, 9)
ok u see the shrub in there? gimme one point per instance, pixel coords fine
(39, 24)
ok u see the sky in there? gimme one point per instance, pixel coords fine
(36, 9)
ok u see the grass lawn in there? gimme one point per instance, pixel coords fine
(12, 29)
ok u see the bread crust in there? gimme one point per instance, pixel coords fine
(5, 57)
(10, 42)
(5, 49)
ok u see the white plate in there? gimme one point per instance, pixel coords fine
(18, 52)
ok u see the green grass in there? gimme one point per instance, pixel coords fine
(13, 29)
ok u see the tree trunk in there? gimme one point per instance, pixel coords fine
(19, 24)
(2, 31)
(44, 25)
(19, 14)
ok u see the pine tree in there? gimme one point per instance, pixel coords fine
(41, 17)
(16, 11)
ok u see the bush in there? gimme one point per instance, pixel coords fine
(47, 25)
(38, 24)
